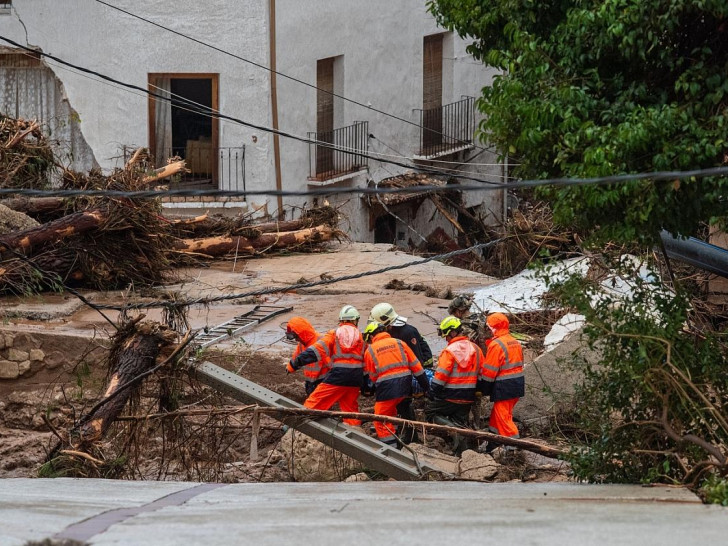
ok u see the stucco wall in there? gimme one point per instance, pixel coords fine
(381, 43)
(97, 37)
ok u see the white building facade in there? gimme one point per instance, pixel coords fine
(384, 71)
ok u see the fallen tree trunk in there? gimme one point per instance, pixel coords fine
(52, 232)
(220, 246)
(165, 172)
(34, 206)
(205, 225)
(134, 353)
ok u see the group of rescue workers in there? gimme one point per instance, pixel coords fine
(391, 361)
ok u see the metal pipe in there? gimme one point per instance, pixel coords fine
(697, 253)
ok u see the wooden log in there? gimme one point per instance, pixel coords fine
(52, 232)
(22, 134)
(133, 159)
(165, 172)
(135, 351)
(204, 225)
(220, 246)
(34, 206)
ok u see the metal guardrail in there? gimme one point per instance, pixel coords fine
(209, 167)
(326, 162)
(447, 128)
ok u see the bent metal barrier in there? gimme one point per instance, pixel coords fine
(351, 441)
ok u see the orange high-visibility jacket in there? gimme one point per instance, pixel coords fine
(503, 367)
(315, 371)
(390, 364)
(344, 347)
(458, 370)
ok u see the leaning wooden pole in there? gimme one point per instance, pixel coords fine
(526, 445)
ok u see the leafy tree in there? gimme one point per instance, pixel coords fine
(601, 87)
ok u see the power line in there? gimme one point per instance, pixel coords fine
(555, 182)
(264, 291)
(219, 115)
(258, 65)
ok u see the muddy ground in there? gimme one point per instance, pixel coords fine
(211, 447)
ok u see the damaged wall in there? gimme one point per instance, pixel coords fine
(34, 92)
(129, 50)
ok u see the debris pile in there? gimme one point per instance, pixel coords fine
(104, 242)
(26, 157)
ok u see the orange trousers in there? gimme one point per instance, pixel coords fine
(386, 431)
(324, 396)
(501, 418)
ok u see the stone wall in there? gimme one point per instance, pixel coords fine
(24, 354)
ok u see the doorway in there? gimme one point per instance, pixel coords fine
(180, 127)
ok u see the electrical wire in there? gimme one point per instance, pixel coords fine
(258, 65)
(274, 290)
(176, 102)
(655, 176)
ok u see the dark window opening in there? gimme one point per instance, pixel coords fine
(385, 229)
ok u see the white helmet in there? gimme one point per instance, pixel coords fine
(348, 313)
(383, 313)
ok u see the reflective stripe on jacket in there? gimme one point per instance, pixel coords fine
(345, 349)
(503, 368)
(458, 370)
(315, 370)
(390, 364)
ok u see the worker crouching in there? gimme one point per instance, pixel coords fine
(344, 347)
(389, 364)
(453, 387)
(503, 377)
(301, 330)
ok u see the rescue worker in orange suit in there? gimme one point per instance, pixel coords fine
(453, 387)
(344, 347)
(389, 365)
(502, 377)
(301, 330)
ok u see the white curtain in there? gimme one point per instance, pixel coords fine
(163, 121)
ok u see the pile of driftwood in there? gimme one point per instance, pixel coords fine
(26, 157)
(113, 242)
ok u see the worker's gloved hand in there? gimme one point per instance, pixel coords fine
(290, 368)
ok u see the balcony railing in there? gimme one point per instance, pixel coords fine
(344, 155)
(209, 167)
(447, 129)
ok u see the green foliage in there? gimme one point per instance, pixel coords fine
(715, 490)
(595, 88)
(652, 405)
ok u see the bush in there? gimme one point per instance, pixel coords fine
(652, 406)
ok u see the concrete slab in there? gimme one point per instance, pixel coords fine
(33, 509)
(41, 307)
(366, 513)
